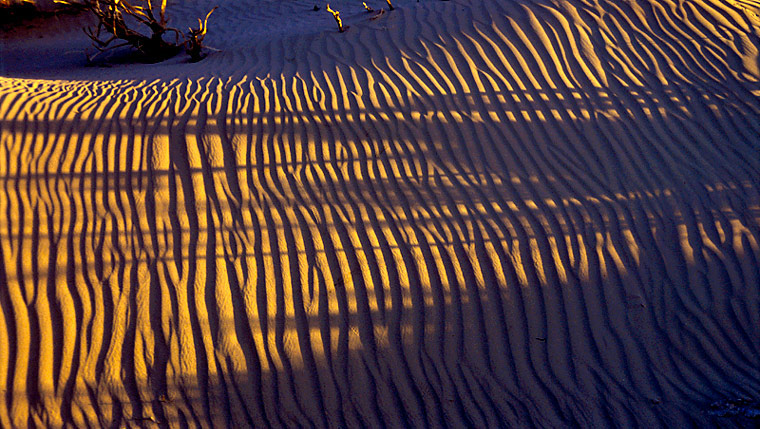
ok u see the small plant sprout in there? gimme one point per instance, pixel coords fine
(195, 36)
(336, 15)
(367, 8)
(390, 5)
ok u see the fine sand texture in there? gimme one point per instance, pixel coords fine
(467, 213)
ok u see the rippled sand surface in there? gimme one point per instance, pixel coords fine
(465, 213)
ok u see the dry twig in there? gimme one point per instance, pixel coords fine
(336, 15)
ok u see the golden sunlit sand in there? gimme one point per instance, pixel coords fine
(469, 213)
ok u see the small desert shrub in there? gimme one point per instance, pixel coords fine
(194, 42)
(142, 25)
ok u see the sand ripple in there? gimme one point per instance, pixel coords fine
(466, 213)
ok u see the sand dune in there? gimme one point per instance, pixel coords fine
(465, 213)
